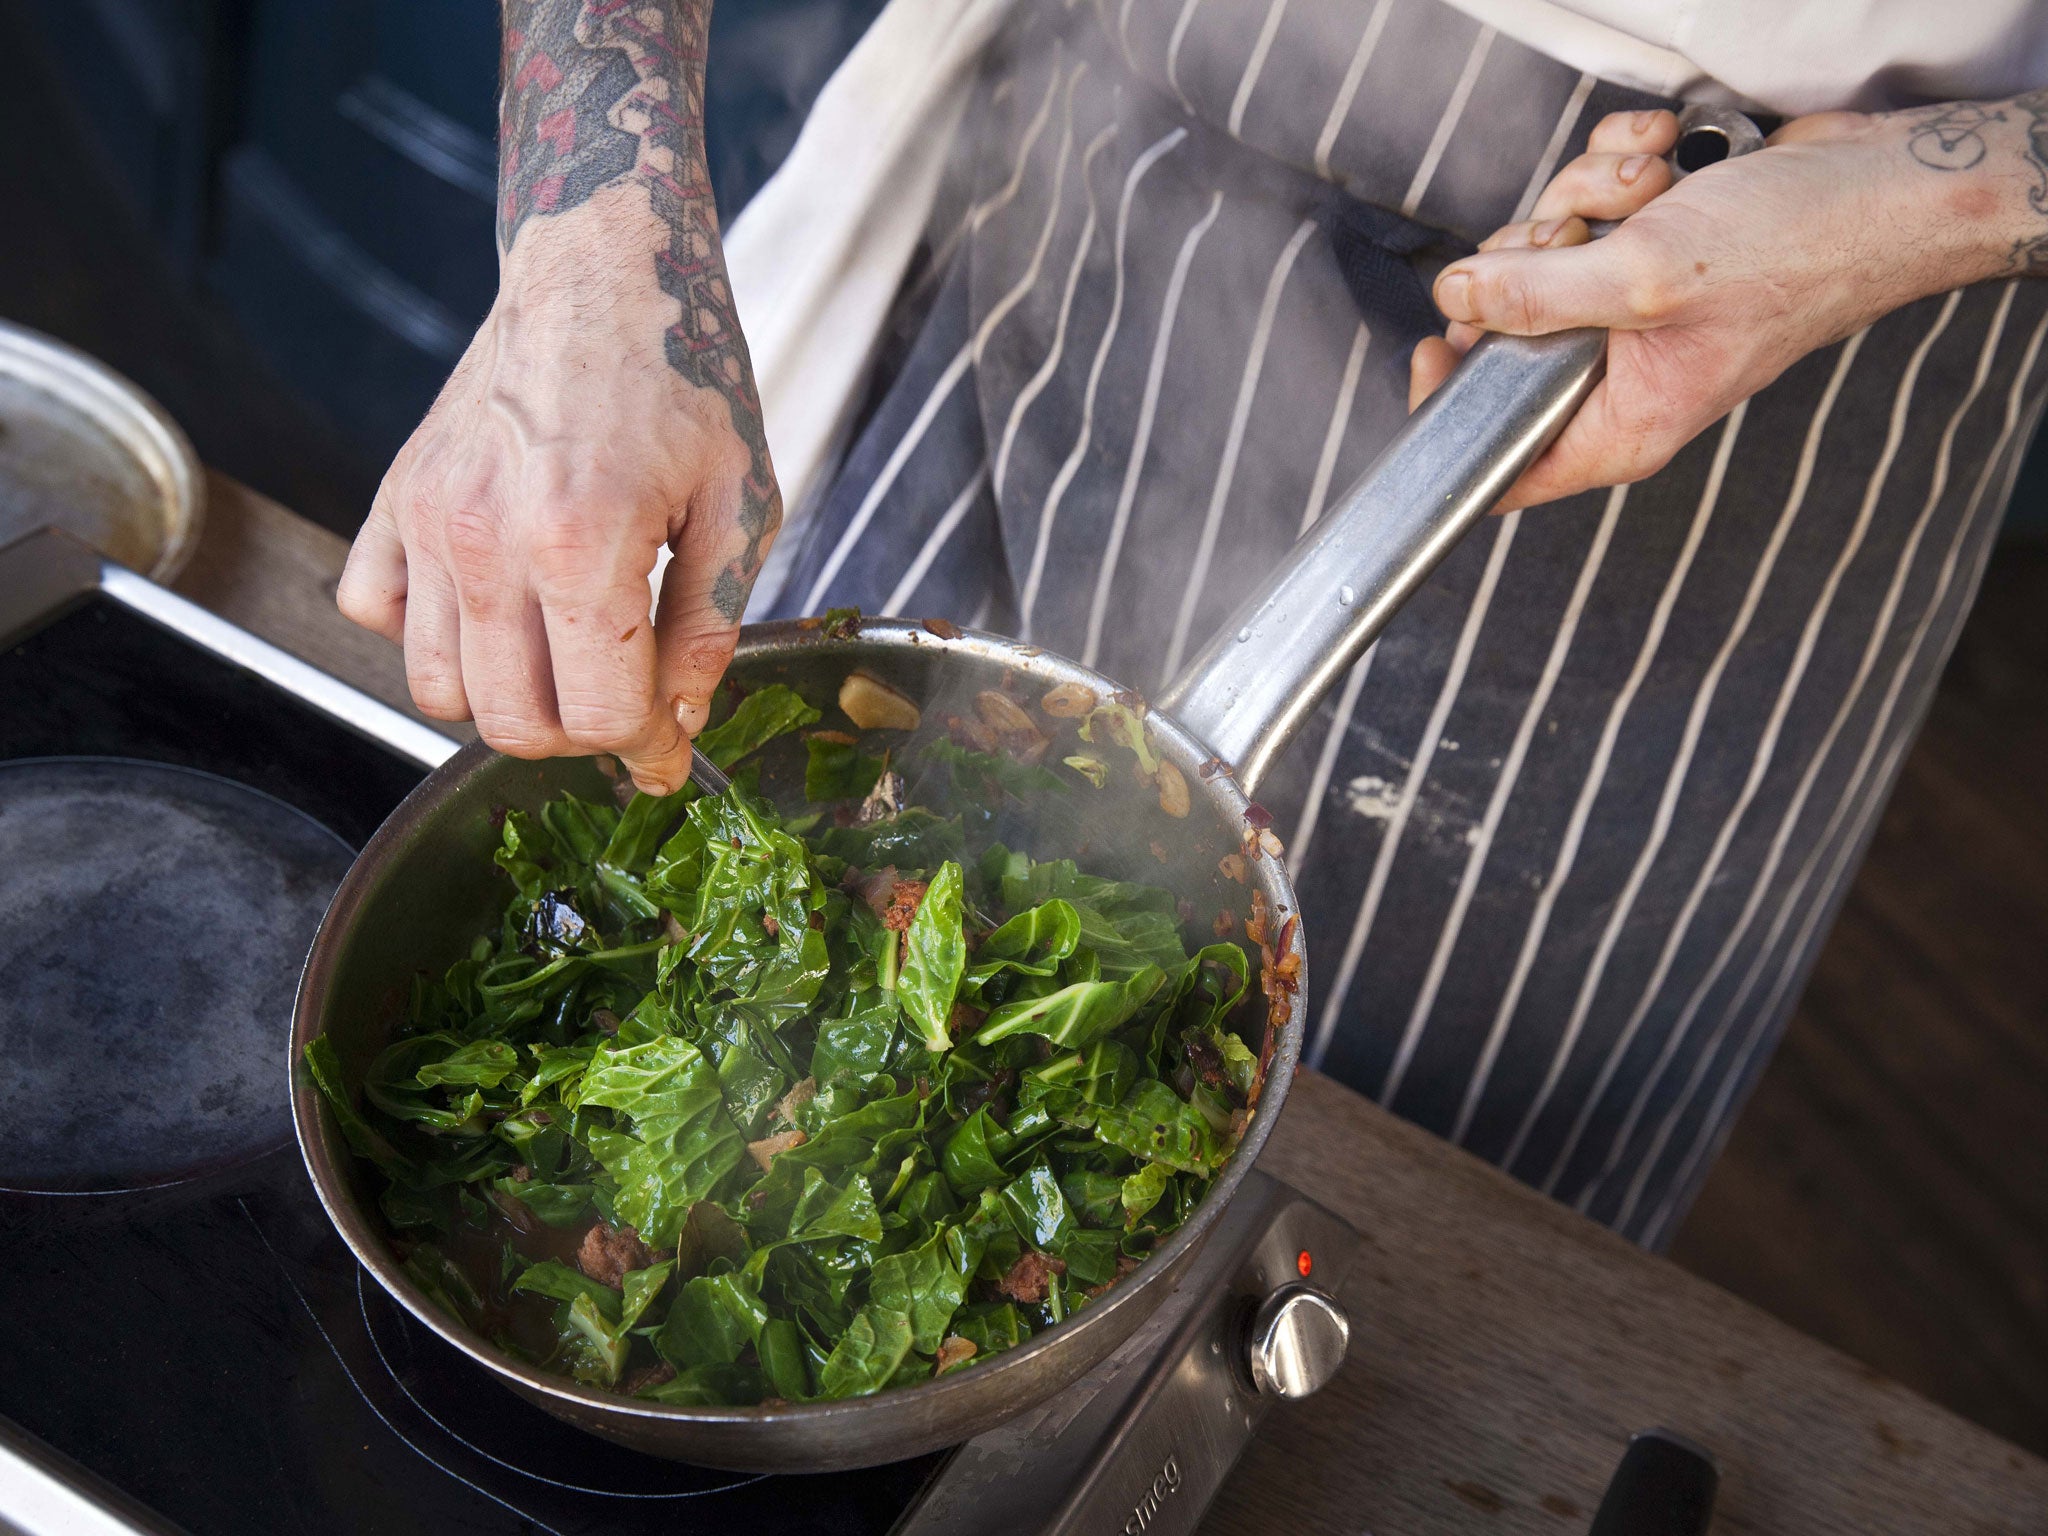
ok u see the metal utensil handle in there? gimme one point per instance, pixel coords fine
(707, 775)
(1251, 687)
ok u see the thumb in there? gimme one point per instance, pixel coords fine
(697, 619)
(1534, 292)
(1428, 366)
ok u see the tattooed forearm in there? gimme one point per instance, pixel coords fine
(602, 92)
(2009, 138)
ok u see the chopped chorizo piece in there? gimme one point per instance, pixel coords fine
(797, 1097)
(764, 1151)
(903, 904)
(1030, 1278)
(952, 1350)
(1208, 1063)
(609, 1253)
(1124, 1265)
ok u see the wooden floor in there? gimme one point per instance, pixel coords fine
(1886, 1189)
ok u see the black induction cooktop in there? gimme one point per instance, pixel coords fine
(186, 1346)
(177, 1317)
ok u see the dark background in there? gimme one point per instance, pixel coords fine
(276, 217)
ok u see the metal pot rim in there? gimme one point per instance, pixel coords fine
(326, 1153)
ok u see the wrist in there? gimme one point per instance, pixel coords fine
(1974, 175)
(597, 257)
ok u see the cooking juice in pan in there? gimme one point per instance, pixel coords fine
(733, 1107)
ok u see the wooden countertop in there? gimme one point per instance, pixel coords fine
(1503, 1347)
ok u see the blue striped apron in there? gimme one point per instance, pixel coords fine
(1568, 838)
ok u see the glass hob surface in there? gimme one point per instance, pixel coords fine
(179, 1316)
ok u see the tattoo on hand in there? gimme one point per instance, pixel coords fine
(1953, 137)
(2030, 256)
(598, 92)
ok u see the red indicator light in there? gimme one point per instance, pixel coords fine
(1304, 1263)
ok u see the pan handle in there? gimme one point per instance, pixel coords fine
(1254, 684)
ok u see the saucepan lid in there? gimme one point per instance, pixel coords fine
(83, 449)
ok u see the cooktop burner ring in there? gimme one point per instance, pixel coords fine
(507, 1402)
(153, 920)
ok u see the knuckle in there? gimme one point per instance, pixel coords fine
(1647, 293)
(437, 696)
(601, 725)
(706, 654)
(563, 529)
(579, 555)
(357, 603)
(518, 736)
(1512, 298)
(473, 532)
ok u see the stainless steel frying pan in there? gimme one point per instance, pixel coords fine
(425, 884)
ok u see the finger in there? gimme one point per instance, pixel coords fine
(1607, 283)
(1652, 131)
(372, 588)
(433, 641)
(505, 668)
(1428, 366)
(1821, 127)
(594, 601)
(697, 621)
(1538, 234)
(1603, 187)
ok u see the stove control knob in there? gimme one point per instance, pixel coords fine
(1297, 1341)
